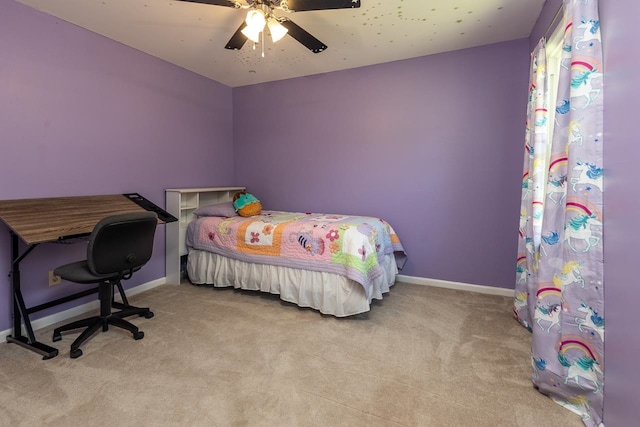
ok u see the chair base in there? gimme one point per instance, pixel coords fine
(92, 324)
(127, 309)
(106, 318)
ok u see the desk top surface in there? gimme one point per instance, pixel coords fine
(51, 219)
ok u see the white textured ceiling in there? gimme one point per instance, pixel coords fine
(193, 35)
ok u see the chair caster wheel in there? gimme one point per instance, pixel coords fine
(138, 335)
(149, 315)
(56, 337)
(75, 353)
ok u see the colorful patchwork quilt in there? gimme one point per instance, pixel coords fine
(351, 246)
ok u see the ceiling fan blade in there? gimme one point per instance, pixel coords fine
(238, 39)
(227, 3)
(302, 5)
(310, 42)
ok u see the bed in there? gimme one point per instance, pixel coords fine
(336, 264)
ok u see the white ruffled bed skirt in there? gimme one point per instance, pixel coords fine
(328, 293)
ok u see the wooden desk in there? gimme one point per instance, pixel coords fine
(37, 221)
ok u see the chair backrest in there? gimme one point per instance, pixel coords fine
(121, 243)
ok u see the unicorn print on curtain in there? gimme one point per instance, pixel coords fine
(559, 293)
(533, 194)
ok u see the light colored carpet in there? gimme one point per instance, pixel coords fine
(421, 357)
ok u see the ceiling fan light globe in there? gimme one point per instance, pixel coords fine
(277, 30)
(252, 34)
(255, 20)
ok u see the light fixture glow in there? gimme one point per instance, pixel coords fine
(255, 24)
(252, 35)
(256, 19)
(277, 30)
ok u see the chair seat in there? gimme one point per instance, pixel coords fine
(79, 272)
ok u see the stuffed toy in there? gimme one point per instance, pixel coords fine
(246, 204)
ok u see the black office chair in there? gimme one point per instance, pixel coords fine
(118, 246)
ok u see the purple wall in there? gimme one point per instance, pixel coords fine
(546, 23)
(622, 291)
(433, 145)
(81, 114)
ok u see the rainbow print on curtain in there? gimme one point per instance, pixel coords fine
(533, 195)
(559, 284)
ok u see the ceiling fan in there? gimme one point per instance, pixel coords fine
(261, 14)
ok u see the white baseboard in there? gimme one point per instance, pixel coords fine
(455, 285)
(81, 309)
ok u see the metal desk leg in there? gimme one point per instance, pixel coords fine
(20, 313)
